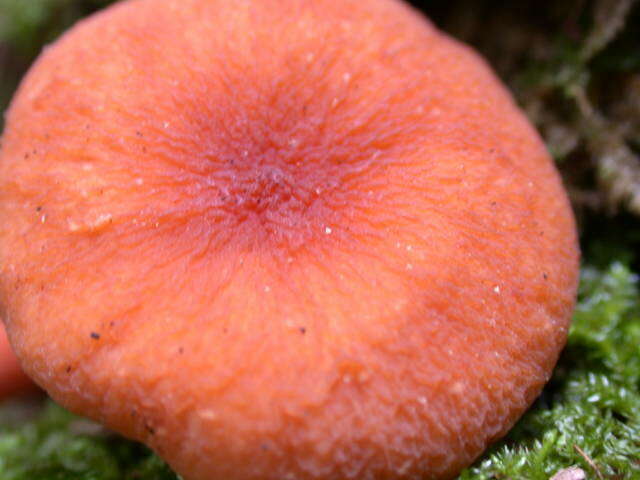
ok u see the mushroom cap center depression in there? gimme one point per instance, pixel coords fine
(277, 181)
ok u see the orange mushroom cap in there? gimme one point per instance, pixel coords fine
(13, 381)
(282, 239)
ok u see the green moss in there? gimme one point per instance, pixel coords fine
(56, 445)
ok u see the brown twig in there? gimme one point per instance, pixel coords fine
(591, 463)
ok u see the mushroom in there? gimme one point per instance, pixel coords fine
(13, 381)
(282, 239)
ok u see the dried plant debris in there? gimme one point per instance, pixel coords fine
(575, 67)
(609, 17)
(595, 132)
(571, 473)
